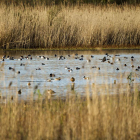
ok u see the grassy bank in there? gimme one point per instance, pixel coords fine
(54, 27)
(104, 117)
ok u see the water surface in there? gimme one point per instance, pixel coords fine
(100, 81)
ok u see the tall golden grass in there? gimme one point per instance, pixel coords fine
(93, 117)
(65, 26)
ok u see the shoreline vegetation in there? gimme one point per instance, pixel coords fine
(97, 117)
(68, 27)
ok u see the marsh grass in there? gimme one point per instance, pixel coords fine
(60, 26)
(103, 116)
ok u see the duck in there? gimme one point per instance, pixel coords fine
(126, 57)
(125, 65)
(92, 56)
(67, 67)
(104, 59)
(94, 67)
(3, 57)
(132, 66)
(86, 78)
(49, 80)
(38, 69)
(88, 60)
(18, 72)
(19, 91)
(43, 64)
(72, 79)
(77, 68)
(117, 68)
(47, 58)
(22, 64)
(81, 58)
(28, 83)
(118, 59)
(98, 68)
(58, 79)
(50, 91)
(52, 75)
(70, 70)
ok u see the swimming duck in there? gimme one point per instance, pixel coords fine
(132, 66)
(117, 68)
(43, 64)
(77, 68)
(19, 92)
(88, 60)
(58, 79)
(22, 64)
(92, 56)
(104, 59)
(118, 59)
(94, 67)
(125, 65)
(18, 72)
(81, 59)
(126, 57)
(72, 79)
(38, 69)
(86, 78)
(28, 83)
(49, 80)
(52, 75)
(3, 57)
(70, 70)
(67, 67)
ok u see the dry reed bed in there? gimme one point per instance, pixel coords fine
(60, 26)
(93, 117)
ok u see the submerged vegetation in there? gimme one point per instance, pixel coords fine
(61, 26)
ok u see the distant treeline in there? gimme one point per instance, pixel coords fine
(52, 2)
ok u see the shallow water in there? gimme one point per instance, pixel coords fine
(100, 81)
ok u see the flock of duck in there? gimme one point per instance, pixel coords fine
(106, 58)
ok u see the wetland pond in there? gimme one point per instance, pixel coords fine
(101, 69)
